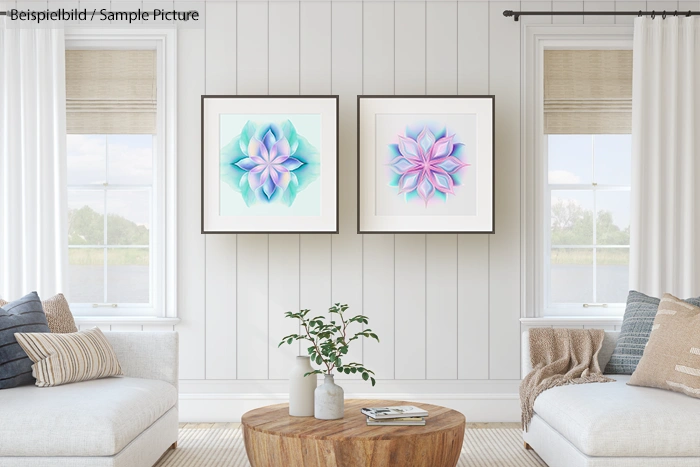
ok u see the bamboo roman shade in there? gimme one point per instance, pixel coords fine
(587, 91)
(111, 91)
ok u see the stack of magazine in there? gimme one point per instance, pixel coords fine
(403, 415)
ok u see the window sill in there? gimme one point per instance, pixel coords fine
(137, 320)
(572, 321)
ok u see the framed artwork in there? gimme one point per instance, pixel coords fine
(425, 164)
(269, 164)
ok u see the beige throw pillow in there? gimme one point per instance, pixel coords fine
(671, 359)
(68, 358)
(57, 312)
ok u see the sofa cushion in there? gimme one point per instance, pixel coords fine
(90, 418)
(614, 419)
(634, 335)
(69, 357)
(672, 357)
(22, 315)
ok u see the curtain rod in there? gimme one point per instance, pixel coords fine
(517, 14)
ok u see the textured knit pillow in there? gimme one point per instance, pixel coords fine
(58, 314)
(672, 357)
(634, 335)
(68, 358)
(23, 315)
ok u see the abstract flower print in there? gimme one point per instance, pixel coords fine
(426, 162)
(269, 163)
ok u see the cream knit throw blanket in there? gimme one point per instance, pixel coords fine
(560, 357)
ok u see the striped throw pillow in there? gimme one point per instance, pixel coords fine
(672, 357)
(58, 313)
(23, 315)
(634, 335)
(69, 358)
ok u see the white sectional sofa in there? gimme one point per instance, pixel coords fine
(127, 421)
(612, 424)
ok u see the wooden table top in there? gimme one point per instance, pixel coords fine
(275, 419)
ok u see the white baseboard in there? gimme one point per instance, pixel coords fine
(228, 407)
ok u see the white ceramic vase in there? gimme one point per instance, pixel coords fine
(329, 400)
(301, 389)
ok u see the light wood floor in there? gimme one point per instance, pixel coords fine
(205, 426)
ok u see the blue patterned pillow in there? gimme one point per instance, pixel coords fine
(23, 315)
(634, 335)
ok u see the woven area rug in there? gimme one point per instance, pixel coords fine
(219, 447)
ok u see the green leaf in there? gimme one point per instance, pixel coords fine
(319, 360)
(373, 381)
(346, 370)
(354, 370)
(365, 376)
(290, 340)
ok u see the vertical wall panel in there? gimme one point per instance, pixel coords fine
(410, 49)
(315, 275)
(346, 80)
(409, 296)
(473, 250)
(316, 255)
(378, 265)
(315, 66)
(190, 245)
(284, 47)
(252, 38)
(315, 47)
(441, 46)
(252, 306)
(441, 250)
(409, 261)
(221, 249)
(253, 253)
(283, 296)
(504, 248)
(283, 259)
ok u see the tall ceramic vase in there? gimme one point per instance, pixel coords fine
(330, 400)
(301, 389)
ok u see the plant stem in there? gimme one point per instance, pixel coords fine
(318, 351)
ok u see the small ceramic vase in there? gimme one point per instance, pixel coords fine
(329, 400)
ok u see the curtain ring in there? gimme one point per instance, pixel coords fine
(675, 13)
(640, 14)
(688, 15)
(663, 16)
(653, 14)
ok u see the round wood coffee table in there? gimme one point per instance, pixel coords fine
(273, 438)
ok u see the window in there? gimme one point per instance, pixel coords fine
(120, 173)
(583, 200)
(110, 212)
(588, 195)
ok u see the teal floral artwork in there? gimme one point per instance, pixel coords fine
(269, 163)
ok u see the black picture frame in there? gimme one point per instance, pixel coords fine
(360, 98)
(270, 96)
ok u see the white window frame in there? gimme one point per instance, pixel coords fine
(534, 178)
(163, 247)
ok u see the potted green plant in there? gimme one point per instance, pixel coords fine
(330, 341)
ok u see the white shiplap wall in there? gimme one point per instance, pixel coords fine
(447, 307)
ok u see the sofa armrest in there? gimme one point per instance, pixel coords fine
(149, 355)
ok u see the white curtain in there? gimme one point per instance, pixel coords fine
(33, 204)
(665, 222)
